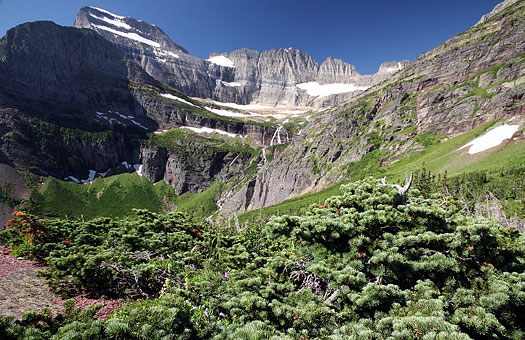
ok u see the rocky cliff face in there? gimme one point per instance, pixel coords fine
(273, 77)
(470, 79)
(288, 76)
(106, 24)
(44, 62)
(72, 103)
(192, 166)
(54, 81)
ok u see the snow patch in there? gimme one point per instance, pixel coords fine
(276, 115)
(317, 90)
(121, 115)
(113, 120)
(132, 36)
(74, 179)
(175, 55)
(491, 139)
(244, 107)
(221, 61)
(163, 54)
(107, 12)
(227, 113)
(93, 173)
(90, 178)
(130, 118)
(279, 115)
(138, 169)
(102, 115)
(138, 124)
(117, 22)
(210, 130)
(232, 84)
(170, 96)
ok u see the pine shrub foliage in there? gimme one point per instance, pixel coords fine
(368, 264)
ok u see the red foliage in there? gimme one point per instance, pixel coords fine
(196, 232)
(19, 214)
(10, 222)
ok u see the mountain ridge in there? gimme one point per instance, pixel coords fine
(272, 76)
(76, 105)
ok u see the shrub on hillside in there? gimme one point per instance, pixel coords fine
(369, 263)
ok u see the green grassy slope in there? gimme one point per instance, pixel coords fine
(114, 196)
(117, 196)
(200, 204)
(437, 158)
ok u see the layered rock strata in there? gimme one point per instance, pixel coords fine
(283, 76)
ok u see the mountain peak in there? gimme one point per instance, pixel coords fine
(337, 70)
(256, 76)
(124, 30)
(393, 66)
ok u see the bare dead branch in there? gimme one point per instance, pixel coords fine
(401, 189)
(132, 283)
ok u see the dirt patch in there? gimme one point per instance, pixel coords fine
(10, 264)
(22, 290)
(108, 306)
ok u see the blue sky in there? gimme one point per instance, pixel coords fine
(364, 33)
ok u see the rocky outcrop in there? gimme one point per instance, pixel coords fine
(48, 148)
(304, 165)
(242, 76)
(156, 53)
(61, 92)
(44, 62)
(498, 8)
(334, 70)
(192, 166)
(105, 23)
(13, 190)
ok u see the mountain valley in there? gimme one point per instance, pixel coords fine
(115, 95)
(146, 193)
